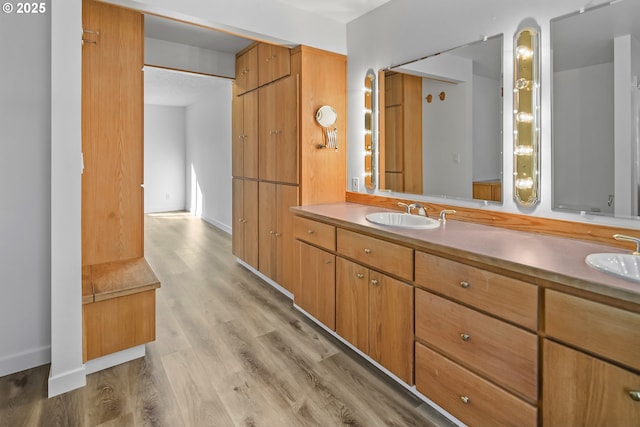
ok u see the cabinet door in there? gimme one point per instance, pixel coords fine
(247, 71)
(286, 196)
(278, 132)
(244, 131)
(391, 325)
(273, 62)
(352, 303)
(318, 284)
(267, 225)
(245, 221)
(112, 129)
(580, 390)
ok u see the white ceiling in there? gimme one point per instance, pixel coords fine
(165, 87)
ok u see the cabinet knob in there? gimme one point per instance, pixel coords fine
(374, 282)
(367, 251)
(465, 337)
(635, 395)
(465, 399)
(310, 231)
(277, 234)
(359, 275)
(272, 232)
(328, 261)
(464, 284)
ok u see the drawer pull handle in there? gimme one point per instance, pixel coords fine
(367, 251)
(465, 337)
(374, 282)
(635, 395)
(465, 399)
(464, 284)
(310, 231)
(359, 275)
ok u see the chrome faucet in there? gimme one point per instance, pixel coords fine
(413, 206)
(629, 239)
(443, 214)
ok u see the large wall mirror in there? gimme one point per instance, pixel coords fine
(596, 110)
(440, 124)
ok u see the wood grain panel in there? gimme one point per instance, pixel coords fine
(287, 196)
(580, 390)
(511, 299)
(116, 279)
(533, 224)
(315, 232)
(386, 256)
(273, 63)
(318, 284)
(119, 323)
(608, 331)
(468, 397)
(247, 69)
(504, 353)
(391, 325)
(323, 81)
(352, 303)
(112, 140)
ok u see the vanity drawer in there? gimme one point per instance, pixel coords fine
(601, 329)
(503, 352)
(386, 256)
(468, 397)
(503, 296)
(314, 232)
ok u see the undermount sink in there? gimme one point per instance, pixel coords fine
(402, 220)
(625, 266)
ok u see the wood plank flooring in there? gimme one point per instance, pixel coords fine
(230, 351)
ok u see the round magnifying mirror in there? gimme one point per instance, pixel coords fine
(326, 116)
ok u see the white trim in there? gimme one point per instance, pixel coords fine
(114, 359)
(24, 360)
(217, 224)
(67, 381)
(266, 279)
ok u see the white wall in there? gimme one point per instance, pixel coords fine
(25, 210)
(583, 102)
(487, 124)
(208, 158)
(164, 158)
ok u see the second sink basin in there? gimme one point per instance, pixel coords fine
(402, 220)
(625, 266)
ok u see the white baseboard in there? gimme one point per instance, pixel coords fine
(266, 279)
(217, 224)
(25, 360)
(114, 359)
(67, 381)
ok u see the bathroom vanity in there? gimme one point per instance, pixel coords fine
(495, 326)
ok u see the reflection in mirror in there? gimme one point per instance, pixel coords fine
(596, 110)
(370, 133)
(441, 124)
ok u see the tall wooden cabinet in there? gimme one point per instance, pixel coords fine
(118, 286)
(245, 217)
(292, 168)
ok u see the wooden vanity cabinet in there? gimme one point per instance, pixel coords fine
(476, 342)
(244, 131)
(374, 311)
(590, 364)
(315, 292)
(487, 190)
(245, 220)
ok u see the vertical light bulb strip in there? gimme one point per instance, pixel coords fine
(369, 131)
(526, 117)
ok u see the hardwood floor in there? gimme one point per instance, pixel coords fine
(230, 351)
